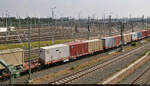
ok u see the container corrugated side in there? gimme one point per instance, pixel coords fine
(127, 38)
(118, 40)
(108, 42)
(77, 48)
(12, 56)
(94, 45)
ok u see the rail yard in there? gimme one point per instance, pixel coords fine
(70, 48)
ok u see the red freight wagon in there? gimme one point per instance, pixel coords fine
(77, 48)
(148, 32)
(143, 34)
(118, 39)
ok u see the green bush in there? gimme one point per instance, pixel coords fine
(73, 67)
(133, 43)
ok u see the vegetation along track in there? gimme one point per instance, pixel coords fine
(79, 74)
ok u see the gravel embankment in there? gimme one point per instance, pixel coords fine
(101, 74)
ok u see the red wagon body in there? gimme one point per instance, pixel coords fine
(78, 48)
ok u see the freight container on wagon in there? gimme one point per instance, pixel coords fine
(139, 35)
(148, 31)
(12, 56)
(114, 42)
(94, 45)
(108, 42)
(54, 53)
(118, 40)
(143, 34)
(127, 38)
(77, 49)
(134, 36)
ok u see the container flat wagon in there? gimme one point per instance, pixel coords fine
(64, 52)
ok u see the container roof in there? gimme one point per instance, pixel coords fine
(74, 43)
(10, 50)
(54, 46)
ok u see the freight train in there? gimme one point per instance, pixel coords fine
(65, 52)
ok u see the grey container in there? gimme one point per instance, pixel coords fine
(109, 42)
(139, 35)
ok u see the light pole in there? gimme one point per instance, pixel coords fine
(39, 36)
(53, 11)
(110, 25)
(54, 22)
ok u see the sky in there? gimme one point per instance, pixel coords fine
(76, 8)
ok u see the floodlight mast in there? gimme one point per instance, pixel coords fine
(53, 17)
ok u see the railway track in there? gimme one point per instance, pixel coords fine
(72, 77)
(139, 77)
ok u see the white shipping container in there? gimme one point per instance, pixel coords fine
(54, 52)
(3, 29)
(134, 36)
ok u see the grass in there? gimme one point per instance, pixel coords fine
(33, 44)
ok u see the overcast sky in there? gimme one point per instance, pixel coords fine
(97, 8)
